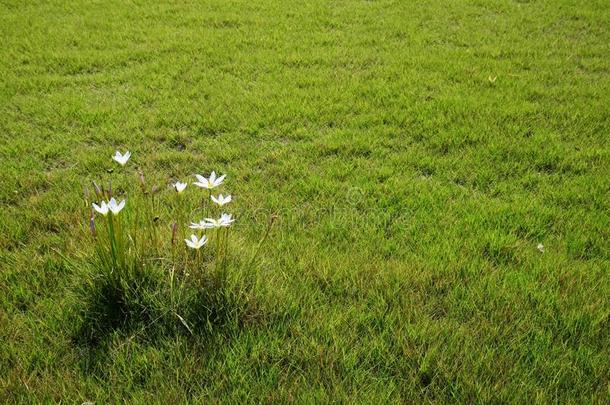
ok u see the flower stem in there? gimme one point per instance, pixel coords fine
(260, 244)
(112, 240)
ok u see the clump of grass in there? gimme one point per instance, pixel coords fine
(142, 271)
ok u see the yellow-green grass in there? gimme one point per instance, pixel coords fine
(416, 153)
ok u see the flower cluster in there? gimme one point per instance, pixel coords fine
(224, 221)
(140, 265)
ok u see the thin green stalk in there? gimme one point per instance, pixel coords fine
(260, 244)
(120, 241)
(217, 241)
(224, 249)
(112, 240)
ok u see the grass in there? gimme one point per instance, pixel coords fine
(415, 154)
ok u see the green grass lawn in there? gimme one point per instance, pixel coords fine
(416, 153)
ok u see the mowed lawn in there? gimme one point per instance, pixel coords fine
(416, 153)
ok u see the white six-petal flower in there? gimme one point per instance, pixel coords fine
(179, 187)
(115, 207)
(201, 225)
(196, 243)
(212, 223)
(120, 158)
(210, 182)
(102, 208)
(221, 200)
(225, 220)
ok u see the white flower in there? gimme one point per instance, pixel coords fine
(195, 243)
(121, 159)
(179, 186)
(540, 248)
(209, 183)
(220, 200)
(225, 220)
(111, 205)
(102, 208)
(201, 225)
(114, 207)
(211, 223)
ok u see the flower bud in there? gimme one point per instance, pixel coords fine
(98, 191)
(142, 182)
(92, 224)
(174, 232)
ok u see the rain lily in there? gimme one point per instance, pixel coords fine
(111, 205)
(212, 223)
(179, 186)
(102, 208)
(114, 207)
(540, 248)
(120, 158)
(225, 220)
(221, 200)
(210, 182)
(195, 243)
(201, 225)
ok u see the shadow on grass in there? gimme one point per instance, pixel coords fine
(148, 311)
